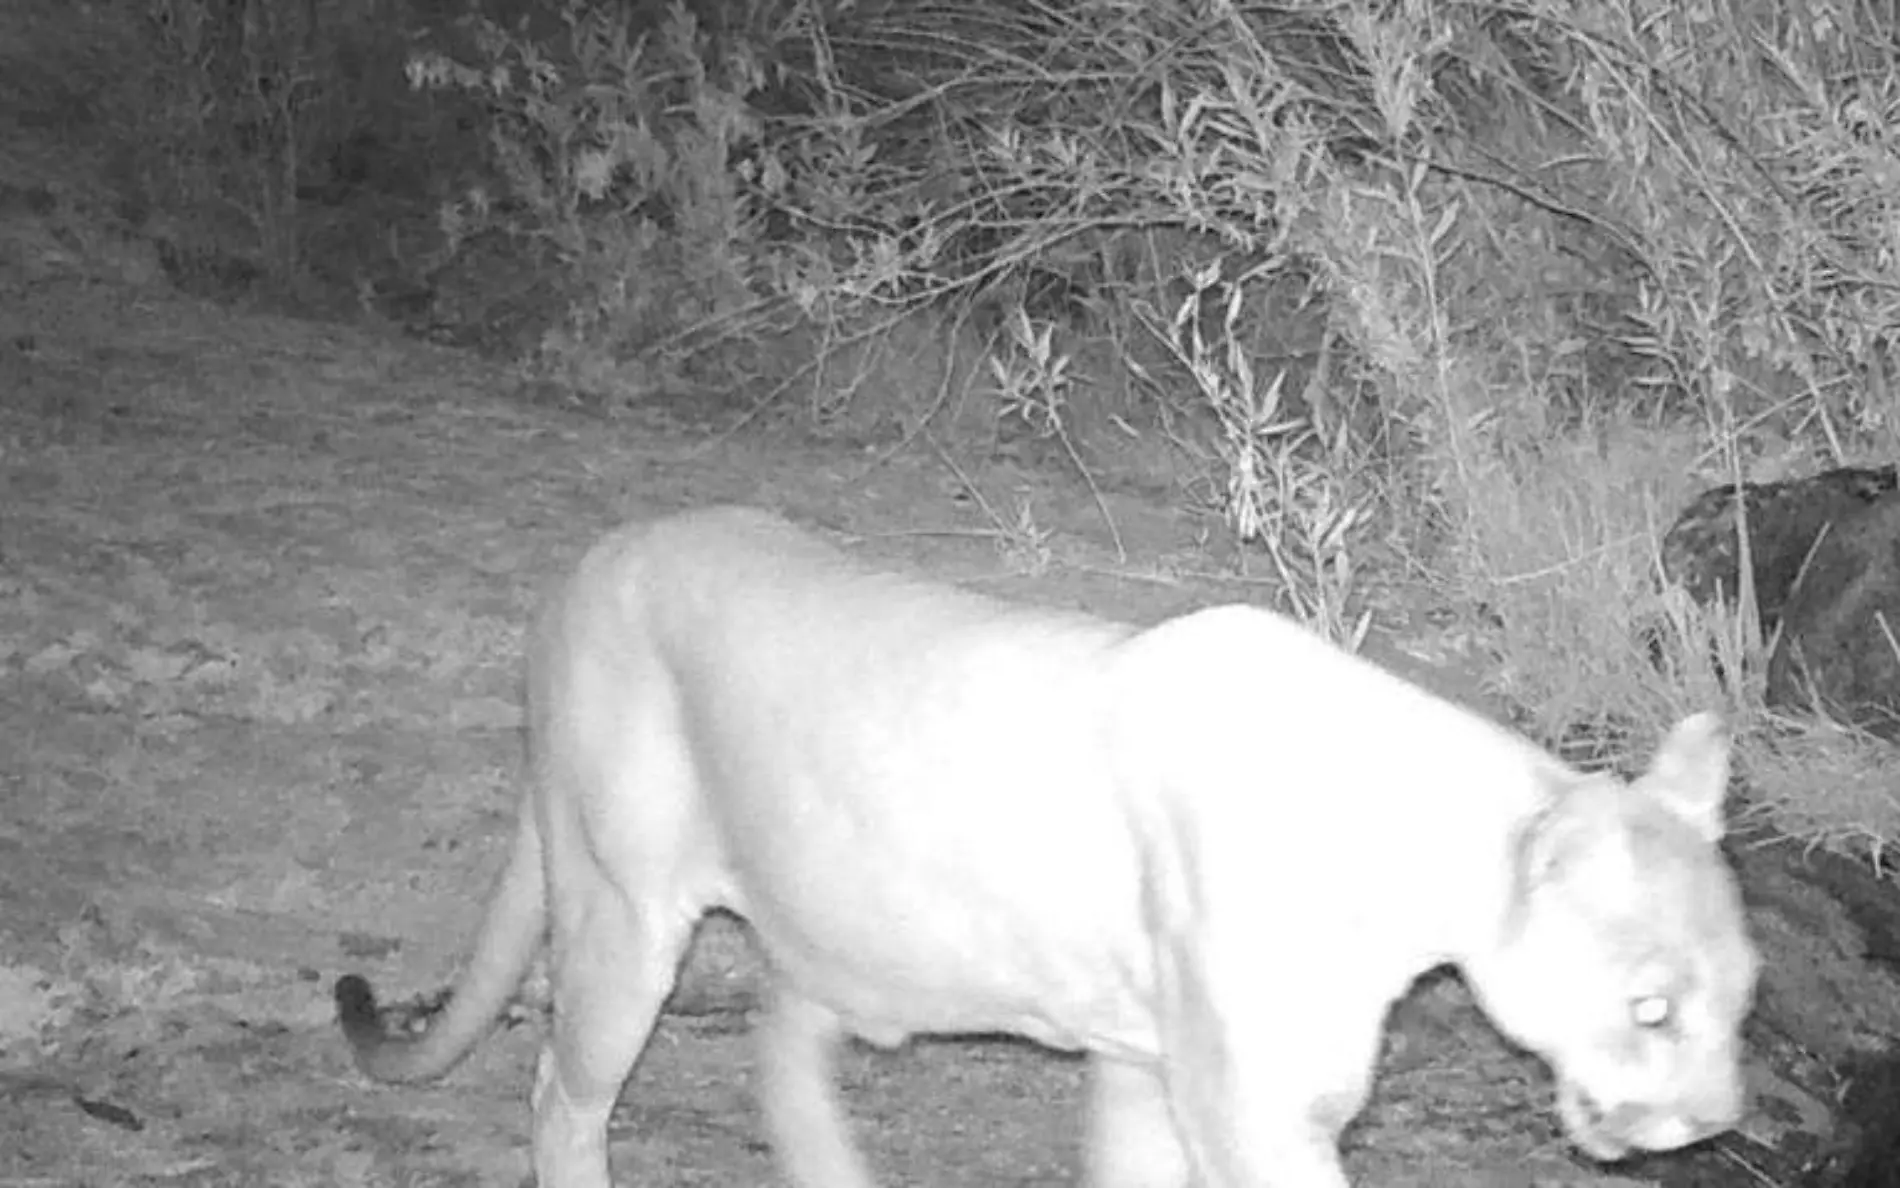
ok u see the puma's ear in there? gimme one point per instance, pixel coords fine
(1689, 775)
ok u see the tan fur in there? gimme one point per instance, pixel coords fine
(1210, 853)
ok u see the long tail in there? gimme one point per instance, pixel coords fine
(510, 933)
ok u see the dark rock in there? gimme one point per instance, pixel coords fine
(1827, 1002)
(1873, 1107)
(1702, 553)
(1840, 625)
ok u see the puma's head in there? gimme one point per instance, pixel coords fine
(1625, 961)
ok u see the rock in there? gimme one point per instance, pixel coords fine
(1834, 645)
(1873, 1104)
(1840, 626)
(1702, 554)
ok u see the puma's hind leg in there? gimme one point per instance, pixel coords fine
(799, 1095)
(623, 892)
(614, 952)
(612, 966)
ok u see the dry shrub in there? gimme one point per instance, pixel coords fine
(1496, 285)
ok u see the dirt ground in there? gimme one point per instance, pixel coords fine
(262, 585)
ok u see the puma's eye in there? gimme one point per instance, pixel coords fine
(1651, 1010)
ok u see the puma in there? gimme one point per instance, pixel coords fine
(1211, 853)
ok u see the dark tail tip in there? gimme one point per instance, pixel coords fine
(357, 1014)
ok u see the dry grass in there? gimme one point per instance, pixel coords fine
(1824, 784)
(1559, 547)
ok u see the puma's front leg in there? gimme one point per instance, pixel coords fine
(1263, 1071)
(1131, 1139)
(1266, 1139)
(799, 1097)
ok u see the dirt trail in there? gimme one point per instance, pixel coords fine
(261, 589)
